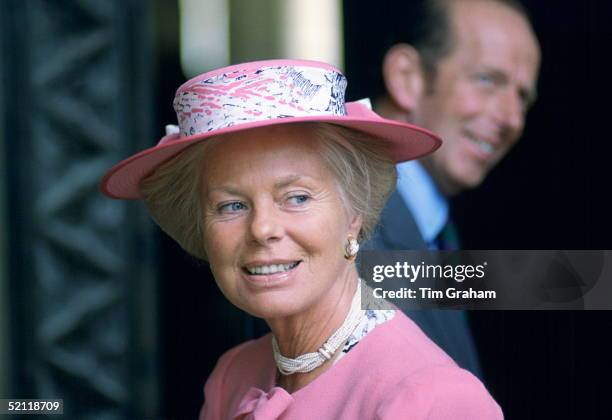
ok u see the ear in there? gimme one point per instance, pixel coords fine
(355, 226)
(403, 76)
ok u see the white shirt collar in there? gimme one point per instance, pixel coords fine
(428, 206)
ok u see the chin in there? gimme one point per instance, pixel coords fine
(269, 308)
(470, 177)
(459, 184)
(473, 182)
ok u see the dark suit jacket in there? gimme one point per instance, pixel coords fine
(449, 329)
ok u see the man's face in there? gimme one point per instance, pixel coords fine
(482, 90)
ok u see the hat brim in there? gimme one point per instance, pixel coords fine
(404, 142)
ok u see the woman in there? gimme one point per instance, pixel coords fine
(274, 180)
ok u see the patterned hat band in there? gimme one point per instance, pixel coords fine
(246, 95)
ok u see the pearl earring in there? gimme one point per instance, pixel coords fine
(351, 248)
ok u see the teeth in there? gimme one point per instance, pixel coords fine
(484, 146)
(271, 269)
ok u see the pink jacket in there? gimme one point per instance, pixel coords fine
(395, 372)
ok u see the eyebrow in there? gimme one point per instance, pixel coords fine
(281, 183)
(226, 189)
(288, 180)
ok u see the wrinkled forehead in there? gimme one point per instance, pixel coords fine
(269, 151)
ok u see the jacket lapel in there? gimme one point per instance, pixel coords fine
(397, 229)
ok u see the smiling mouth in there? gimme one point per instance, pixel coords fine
(482, 145)
(262, 270)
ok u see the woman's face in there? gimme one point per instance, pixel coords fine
(275, 224)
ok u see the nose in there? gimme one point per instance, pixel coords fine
(265, 224)
(510, 112)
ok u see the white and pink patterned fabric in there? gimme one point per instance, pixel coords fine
(256, 94)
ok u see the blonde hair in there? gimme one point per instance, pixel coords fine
(361, 164)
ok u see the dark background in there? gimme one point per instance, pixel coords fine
(551, 192)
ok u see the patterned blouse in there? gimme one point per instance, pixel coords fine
(371, 319)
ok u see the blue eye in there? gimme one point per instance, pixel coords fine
(484, 79)
(233, 207)
(298, 199)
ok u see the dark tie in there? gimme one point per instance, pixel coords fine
(448, 238)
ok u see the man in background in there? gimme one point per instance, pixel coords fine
(467, 70)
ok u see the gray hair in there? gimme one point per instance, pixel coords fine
(364, 171)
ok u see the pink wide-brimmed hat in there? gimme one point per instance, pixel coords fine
(260, 94)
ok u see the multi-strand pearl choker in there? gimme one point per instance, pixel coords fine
(310, 361)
